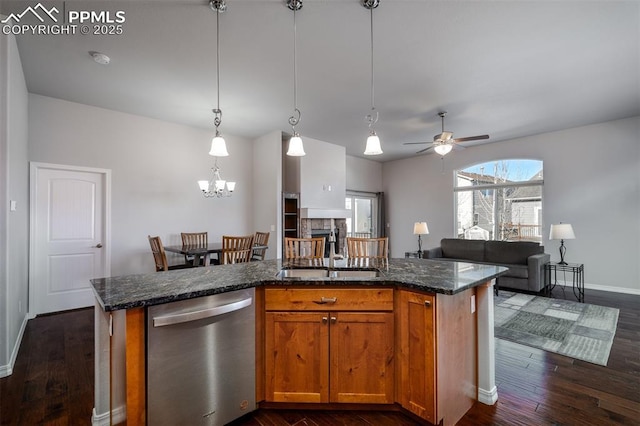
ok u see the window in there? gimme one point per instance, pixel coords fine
(500, 200)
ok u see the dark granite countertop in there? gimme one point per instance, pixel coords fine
(141, 290)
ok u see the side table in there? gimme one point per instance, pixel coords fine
(577, 272)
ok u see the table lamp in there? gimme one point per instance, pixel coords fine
(420, 228)
(562, 231)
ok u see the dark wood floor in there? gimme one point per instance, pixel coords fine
(52, 383)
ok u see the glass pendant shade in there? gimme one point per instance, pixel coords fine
(231, 186)
(218, 146)
(443, 149)
(373, 145)
(220, 185)
(204, 185)
(295, 146)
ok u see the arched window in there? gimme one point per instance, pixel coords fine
(500, 200)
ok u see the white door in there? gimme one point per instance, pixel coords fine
(69, 233)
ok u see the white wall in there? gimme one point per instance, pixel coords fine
(591, 180)
(322, 168)
(14, 172)
(363, 175)
(267, 188)
(155, 168)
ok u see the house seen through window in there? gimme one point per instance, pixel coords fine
(500, 200)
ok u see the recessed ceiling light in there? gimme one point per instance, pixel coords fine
(100, 58)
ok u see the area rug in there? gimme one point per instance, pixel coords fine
(577, 330)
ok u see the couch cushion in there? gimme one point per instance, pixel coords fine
(463, 249)
(514, 252)
(516, 271)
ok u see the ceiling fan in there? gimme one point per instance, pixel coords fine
(444, 142)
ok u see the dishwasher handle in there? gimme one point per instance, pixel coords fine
(200, 314)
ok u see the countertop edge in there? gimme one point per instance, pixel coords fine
(370, 282)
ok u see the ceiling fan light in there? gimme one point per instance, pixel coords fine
(296, 149)
(443, 149)
(373, 145)
(218, 146)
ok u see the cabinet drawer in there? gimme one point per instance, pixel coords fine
(328, 299)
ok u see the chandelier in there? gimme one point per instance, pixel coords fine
(216, 186)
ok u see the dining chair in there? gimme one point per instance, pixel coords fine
(236, 249)
(160, 256)
(369, 251)
(304, 248)
(261, 239)
(194, 239)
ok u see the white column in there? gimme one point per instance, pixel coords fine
(487, 390)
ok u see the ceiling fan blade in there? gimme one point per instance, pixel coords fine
(472, 138)
(424, 150)
(415, 143)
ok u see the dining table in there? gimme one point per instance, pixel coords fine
(203, 252)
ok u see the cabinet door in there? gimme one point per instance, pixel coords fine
(362, 363)
(296, 357)
(417, 391)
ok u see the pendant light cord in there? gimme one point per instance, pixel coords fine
(372, 118)
(217, 112)
(295, 118)
(295, 62)
(218, 57)
(372, 75)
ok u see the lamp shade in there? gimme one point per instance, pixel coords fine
(231, 186)
(373, 145)
(204, 185)
(218, 146)
(420, 228)
(296, 149)
(562, 231)
(443, 149)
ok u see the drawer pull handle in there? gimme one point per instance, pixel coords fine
(333, 320)
(324, 320)
(324, 300)
(427, 303)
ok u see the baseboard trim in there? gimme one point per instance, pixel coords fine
(608, 288)
(488, 397)
(7, 370)
(119, 415)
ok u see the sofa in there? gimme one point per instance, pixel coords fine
(525, 259)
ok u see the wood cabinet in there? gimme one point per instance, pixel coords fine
(417, 349)
(437, 356)
(329, 345)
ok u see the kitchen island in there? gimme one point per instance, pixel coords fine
(437, 318)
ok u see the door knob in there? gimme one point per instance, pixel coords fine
(99, 245)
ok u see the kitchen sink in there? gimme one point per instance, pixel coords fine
(303, 273)
(354, 274)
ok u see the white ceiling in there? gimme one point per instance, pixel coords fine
(504, 68)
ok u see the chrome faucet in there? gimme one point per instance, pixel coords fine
(332, 249)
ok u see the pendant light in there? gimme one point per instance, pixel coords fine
(296, 149)
(218, 145)
(373, 141)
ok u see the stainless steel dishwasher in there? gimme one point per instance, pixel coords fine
(201, 360)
